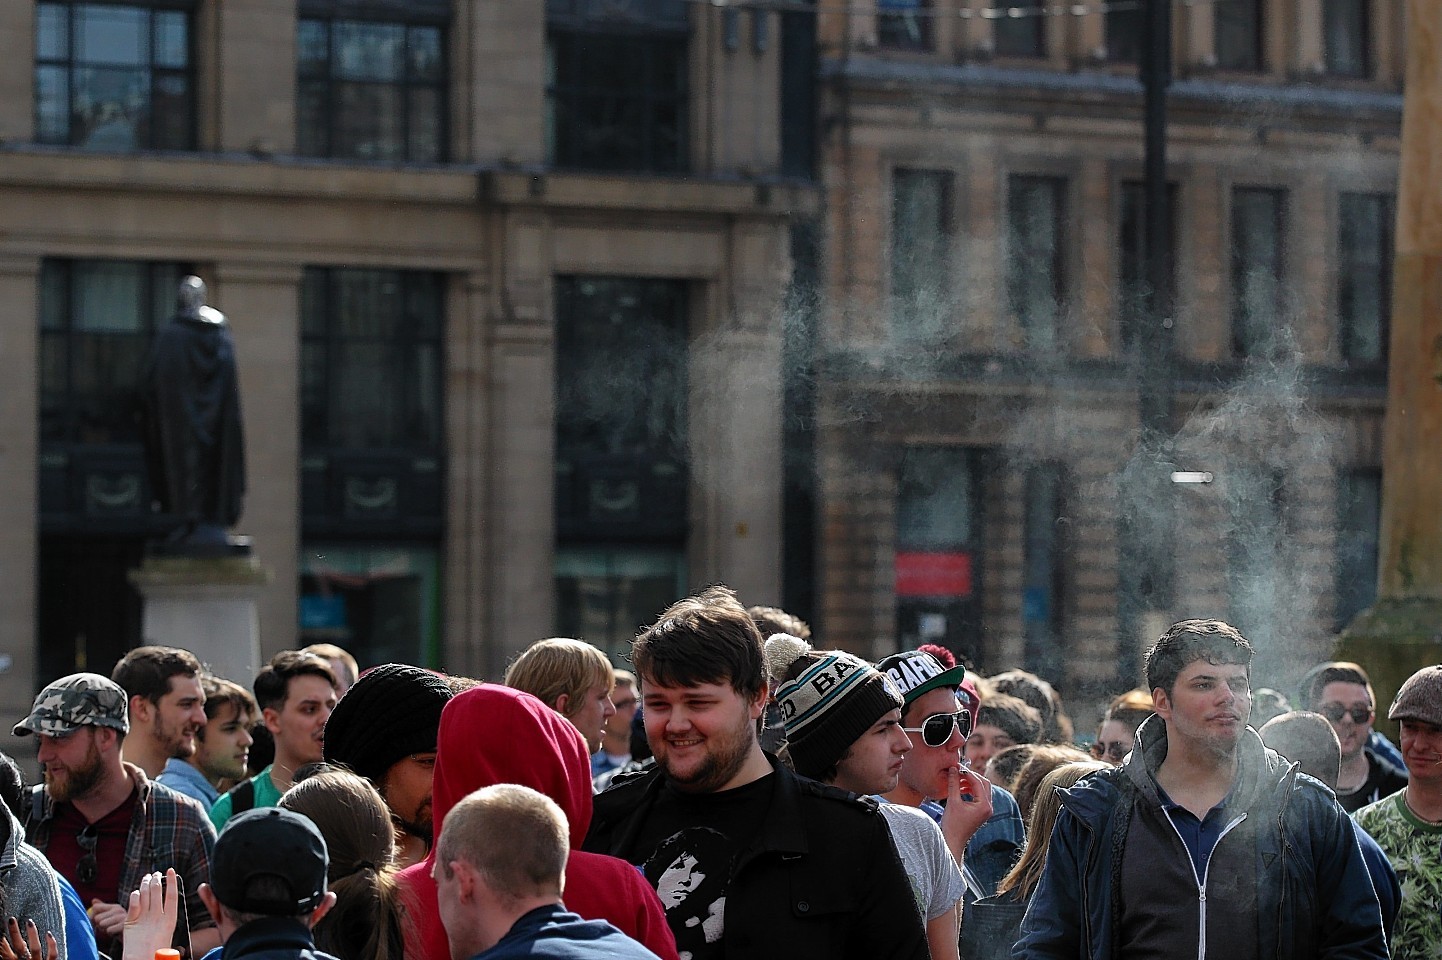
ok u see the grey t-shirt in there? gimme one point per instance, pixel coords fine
(936, 881)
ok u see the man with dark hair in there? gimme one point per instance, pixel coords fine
(167, 705)
(791, 867)
(222, 745)
(268, 888)
(1342, 692)
(1408, 824)
(500, 871)
(385, 729)
(1308, 740)
(101, 822)
(1202, 843)
(296, 694)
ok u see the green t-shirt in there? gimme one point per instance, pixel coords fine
(266, 795)
(1412, 846)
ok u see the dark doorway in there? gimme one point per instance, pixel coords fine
(90, 615)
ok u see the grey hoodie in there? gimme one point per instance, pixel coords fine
(31, 890)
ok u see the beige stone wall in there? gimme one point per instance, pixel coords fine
(1078, 405)
(17, 72)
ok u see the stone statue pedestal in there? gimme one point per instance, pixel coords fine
(206, 605)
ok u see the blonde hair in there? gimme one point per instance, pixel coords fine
(1024, 877)
(329, 651)
(560, 666)
(517, 838)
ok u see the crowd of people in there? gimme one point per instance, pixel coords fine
(741, 794)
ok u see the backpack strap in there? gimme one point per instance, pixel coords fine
(242, 797)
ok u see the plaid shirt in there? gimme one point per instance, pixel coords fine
(167, 829)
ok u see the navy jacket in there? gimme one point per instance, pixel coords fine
(553, 933)
(1315, 898)
(270, 938)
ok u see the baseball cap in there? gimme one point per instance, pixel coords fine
(79, 700)
(270, 861)
(1420, 697)
(916, 672)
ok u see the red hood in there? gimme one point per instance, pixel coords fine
(491, 734)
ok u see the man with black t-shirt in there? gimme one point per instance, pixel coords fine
(748, 858)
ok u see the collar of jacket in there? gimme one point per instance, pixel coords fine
(269, 933)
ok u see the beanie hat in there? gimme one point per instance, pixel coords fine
(391, 712)
(1420, 697)
(833, 700)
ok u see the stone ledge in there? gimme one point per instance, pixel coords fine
(158, 574)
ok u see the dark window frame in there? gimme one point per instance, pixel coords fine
(64, 345)
(909, 315)
(1021, 270)
(905, 25)
(1352, 279)
(329, 87)
(661, 112)
(1122, 35)
(1358, 527)
(323, 347)
(1240, 32)
(1023, 38)
(1248, 333)
(1347, 38)
(148, 128)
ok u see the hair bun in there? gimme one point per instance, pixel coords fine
(782, 650)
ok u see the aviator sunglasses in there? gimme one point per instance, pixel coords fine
(1335, 712)
(936, 729)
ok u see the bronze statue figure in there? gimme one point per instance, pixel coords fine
(193, 441)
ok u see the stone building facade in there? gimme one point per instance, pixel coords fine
(979, 378)
(431, 227)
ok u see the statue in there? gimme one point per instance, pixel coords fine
(193, 443)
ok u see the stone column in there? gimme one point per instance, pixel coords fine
(17, 72)
(19, 505)
(208, 606)
(1403, 631)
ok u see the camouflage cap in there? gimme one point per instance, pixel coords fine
(79, 700)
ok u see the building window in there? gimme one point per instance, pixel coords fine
(939, 547)
(1035, 284)
(904, 24)
(1257, 245)
(1346, 39)
(1020, 36)
(1132, 268)
(1359, 525)
(618, 100)
(920, 252)
(1044, 548)
(621, 451)
(1123, 33)
(371, 359)
(604, 590)
(371, 91)
(1364, 275)
(97, 320)
(1238, 25)
(112, 77)
(381, 601)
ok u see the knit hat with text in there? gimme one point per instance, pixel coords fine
(828, 699)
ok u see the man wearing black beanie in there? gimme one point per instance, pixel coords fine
(384, 729)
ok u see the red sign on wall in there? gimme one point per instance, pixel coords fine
(933, 574)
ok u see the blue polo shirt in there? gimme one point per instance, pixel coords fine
(1199, 836)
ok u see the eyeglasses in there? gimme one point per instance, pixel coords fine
(1335, 712)
(1116, 751)
(936, 729)
(85, 867)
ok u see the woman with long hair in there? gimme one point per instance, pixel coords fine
(365, 923)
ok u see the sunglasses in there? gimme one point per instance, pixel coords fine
(1335, 712)
(85, 867)
(936, 729)
(1116, 751)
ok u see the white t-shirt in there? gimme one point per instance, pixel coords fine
(936, 881)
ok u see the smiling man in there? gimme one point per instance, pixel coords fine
(1342, 692)
(749, 858)
(222, 745)
(1203, 843)
(167, 705)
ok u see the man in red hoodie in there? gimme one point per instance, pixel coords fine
(492, 734)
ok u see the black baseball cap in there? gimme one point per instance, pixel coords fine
(916, 672)
(270, 861)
